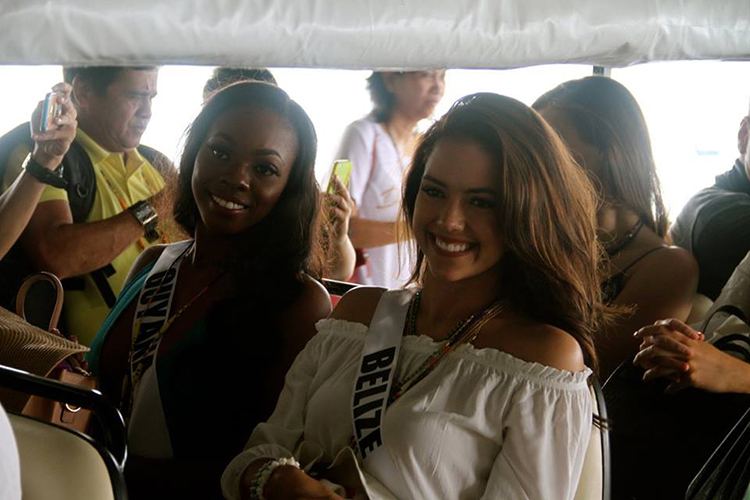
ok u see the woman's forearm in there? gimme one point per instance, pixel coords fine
(343, 260)
(17, 206)
(367, 233)
(738, 377)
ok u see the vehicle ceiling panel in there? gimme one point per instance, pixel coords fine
(372, 33)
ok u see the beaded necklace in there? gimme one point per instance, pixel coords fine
(465, 332)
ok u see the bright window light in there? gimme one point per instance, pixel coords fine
(693, 108)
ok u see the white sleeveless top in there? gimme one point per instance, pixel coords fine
(483, 424)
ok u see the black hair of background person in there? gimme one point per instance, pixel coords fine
(100, 77)
(382, 99)
(223, 76)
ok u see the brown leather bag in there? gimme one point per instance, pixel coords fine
(72, 417)
(39, 301)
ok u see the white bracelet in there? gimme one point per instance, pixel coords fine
(261, 477)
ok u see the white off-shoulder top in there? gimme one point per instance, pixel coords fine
(483, 424)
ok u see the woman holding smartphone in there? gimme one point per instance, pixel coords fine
(472, 384)
(18, 202)
(381, 145)
(202, 321)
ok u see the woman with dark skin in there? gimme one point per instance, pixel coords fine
(244, 303)
(604, 128)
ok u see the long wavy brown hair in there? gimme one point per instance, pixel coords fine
(546, 213)
(608, 117)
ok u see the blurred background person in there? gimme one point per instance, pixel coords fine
(89, 229)
(715, 223)
(381, 145)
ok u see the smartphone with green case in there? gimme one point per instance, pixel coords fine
(343, 170)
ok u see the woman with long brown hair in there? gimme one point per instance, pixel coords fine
(473, 382)
(602, 124)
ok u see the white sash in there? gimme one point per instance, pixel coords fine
(154, 311)
(374, 381)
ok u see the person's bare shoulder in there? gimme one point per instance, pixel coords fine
(536, 343)
(297, 322)
(672, 259)
(147, 256)
(358, 305)
(314, 302)
(672, 271)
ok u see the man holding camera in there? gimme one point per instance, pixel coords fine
(715, 223)
(101, 208)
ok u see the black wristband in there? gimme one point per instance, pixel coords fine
(44, 175)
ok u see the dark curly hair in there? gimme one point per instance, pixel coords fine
(285, 244)
(546, 213)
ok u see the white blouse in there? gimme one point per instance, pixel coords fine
(375, 186)
(483, 424)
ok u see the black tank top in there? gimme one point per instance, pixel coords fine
(612, 286)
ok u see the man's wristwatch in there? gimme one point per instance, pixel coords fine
(42, 174)
(147, 217)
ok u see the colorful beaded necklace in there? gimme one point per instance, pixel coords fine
(464, 333)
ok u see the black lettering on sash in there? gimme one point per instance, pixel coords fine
(363, 423)
(372, 379)
(366, 393)
(360, 410)
(369, 443)
(161, 278)
(147, 330)
(145, 356)
(380, 359)
(159, 310)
